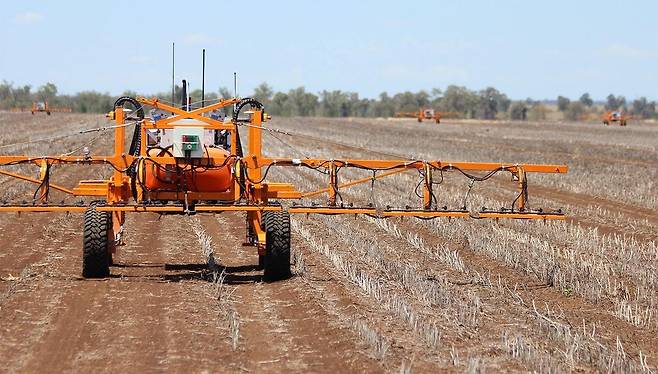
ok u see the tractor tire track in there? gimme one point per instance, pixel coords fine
(282, 328)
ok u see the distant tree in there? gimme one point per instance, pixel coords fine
(195, 97)
(643, 108)
(334, 104)
(263, 93)
(436, 94)
(301, 103)
(461, 100)
(518, 111)
(384, 107)
(537, 112)
(562, 103)
(47, 92)
(575, 111)
(409, 101)
(225, 93)
(490, 102)
(93, 102)
(586, 100)
(615, 102)
(279, 106)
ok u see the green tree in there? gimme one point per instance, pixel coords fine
(586, 100)
(615, 102)
(643, 108)
(575, 111)
(47, 92)
(490, 102)
(562, 103)
(334, 104)
(301, 103)
(461, 100)
(263, 93)
(537, 112)
(518, 111)
(93, 102)
(384, 107)
(279, 105)
(224, 93)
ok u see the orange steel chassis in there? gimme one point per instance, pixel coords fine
(420, 115)
(47, 109)
(254, 196)
(609, 119)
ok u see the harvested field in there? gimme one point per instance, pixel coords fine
(368, 295)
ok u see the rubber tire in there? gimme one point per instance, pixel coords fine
(261, 262)
(276, 264)
(95, 243)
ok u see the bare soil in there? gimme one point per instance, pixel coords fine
(159, 311)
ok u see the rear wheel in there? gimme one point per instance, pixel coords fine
(276, 262)
(96, 255)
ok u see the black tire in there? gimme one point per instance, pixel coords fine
(261, 262)
(276, 264)
(96, 243)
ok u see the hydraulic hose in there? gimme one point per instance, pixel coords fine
(136, 142)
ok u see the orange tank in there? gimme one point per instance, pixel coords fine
(202, 179)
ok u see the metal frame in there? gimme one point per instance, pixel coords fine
(249, 193)
(420, 115)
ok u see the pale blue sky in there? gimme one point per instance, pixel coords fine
(537, 49)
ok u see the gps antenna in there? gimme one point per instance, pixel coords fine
(203, 80)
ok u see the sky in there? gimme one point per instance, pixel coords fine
(537, 49)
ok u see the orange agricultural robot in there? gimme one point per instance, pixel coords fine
(190, 161)
(426, 114)
(42, 106)
(615, 117)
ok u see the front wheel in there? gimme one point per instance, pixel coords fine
(276, 262)
(96, 257)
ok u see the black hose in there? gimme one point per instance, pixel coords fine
(253, 103)
(136, 142)
(246, 101)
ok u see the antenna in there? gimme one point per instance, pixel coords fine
(203, 80)
(184, 96)
(173, 62)
(235, 84)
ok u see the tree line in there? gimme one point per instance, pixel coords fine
(488, 103)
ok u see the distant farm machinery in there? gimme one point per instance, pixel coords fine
(41, 107)
(426, 114)
(190, 161)
(615, 117)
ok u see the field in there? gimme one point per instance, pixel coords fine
(368, 295)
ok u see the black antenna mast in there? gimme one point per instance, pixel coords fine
(203, 80)
(173, 62)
